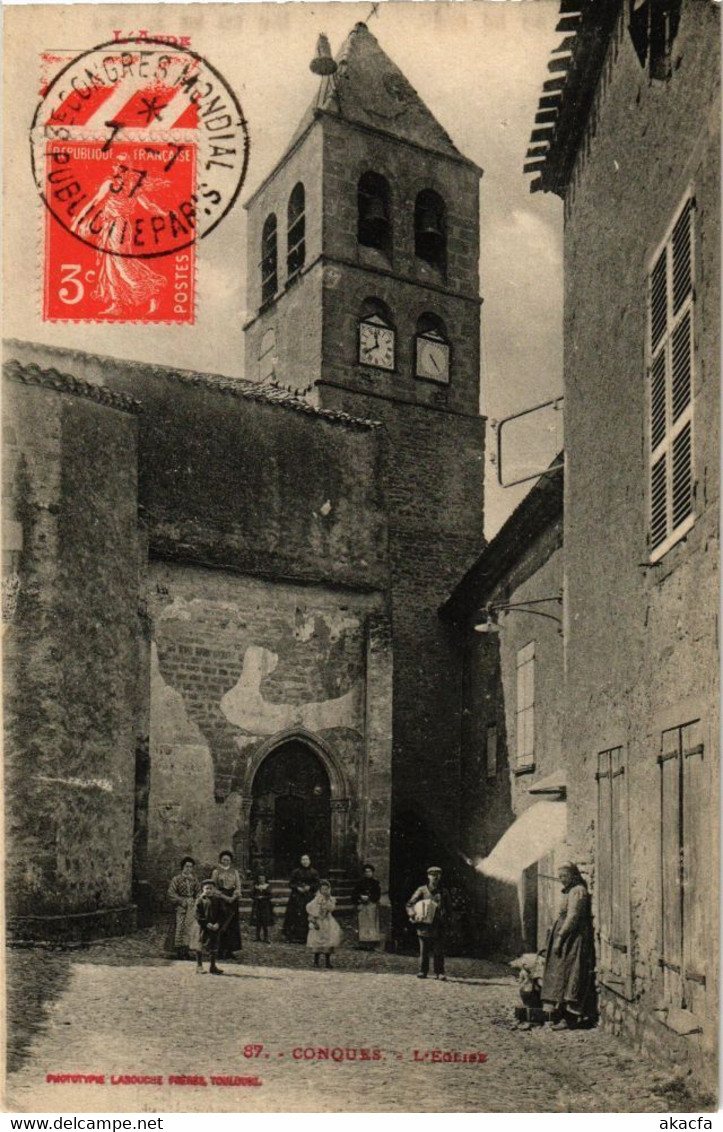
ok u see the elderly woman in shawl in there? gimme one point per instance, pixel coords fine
(182, 893)
(568, 982)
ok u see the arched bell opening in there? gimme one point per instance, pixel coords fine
(430, 229)
(374, 214)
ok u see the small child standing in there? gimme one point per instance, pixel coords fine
(324, 932)
(262, 910)
(210, 909)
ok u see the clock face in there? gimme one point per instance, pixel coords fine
(376, 344)
(433, 358)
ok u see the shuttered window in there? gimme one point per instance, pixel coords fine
(670, 384)
(612, 874)
(296, 231)
(685, 878)
(269, 278)
(525, 713)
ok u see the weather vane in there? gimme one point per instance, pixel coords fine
(374, 11)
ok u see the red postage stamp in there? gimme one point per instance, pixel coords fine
(139, 150)
(122, 202)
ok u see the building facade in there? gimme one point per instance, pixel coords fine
(507, 614)
(631, 142)
(225, 593)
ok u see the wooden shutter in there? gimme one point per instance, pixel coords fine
(670, 376)
(612, 874)
(525, 714)
(697, 876)
(659, 300)
(603, 863)
(548, 897)
(682, 243)
(671, 957)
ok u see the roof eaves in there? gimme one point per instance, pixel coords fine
(53, 379)
(576, 66)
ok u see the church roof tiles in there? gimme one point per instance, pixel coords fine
(29, 373)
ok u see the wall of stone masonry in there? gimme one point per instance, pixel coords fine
(239, 665)
(70, 655)
(261, 530)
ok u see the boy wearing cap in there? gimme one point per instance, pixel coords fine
(429, 909)
(210, 910)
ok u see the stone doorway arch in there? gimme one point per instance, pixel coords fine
(295, 800)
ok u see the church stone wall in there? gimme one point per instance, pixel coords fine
(302, 164)
(70, 656)
(434, 485)
(295, 317)
(409, 168)
(238, 664)
(408, 285)
(229, 479)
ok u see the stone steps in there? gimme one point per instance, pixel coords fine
(341, 888)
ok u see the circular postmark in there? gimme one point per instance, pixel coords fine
(139, 148)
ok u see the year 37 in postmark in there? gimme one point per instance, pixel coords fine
(139, 150)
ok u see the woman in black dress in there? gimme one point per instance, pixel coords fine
(304, 883)
(366, 896)
(228, 883)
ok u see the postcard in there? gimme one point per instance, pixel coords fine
(360, 556)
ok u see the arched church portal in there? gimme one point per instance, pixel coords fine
(291, 810)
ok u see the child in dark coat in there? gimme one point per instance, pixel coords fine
(210, 911)
(262, 910)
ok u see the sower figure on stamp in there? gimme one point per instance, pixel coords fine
(210, 912)
(124, 281)
(430, 910)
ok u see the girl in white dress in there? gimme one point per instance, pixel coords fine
(324, 932)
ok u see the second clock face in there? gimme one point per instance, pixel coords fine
(376, 345)
(433, 359)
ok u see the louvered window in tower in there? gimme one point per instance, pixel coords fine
(374, 227)
(430, 229)
(269, 279)
(671, 308)
(296, 232)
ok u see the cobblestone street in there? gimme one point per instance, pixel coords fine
(120, 1008)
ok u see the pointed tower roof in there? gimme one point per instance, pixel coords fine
(369, 89)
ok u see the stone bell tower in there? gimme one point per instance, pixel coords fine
(363, 288)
